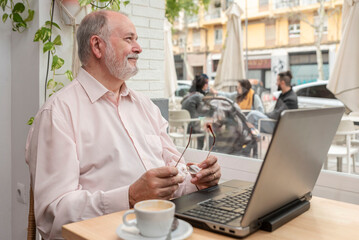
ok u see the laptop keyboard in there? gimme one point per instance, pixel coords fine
(222, 210)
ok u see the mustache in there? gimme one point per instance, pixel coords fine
(132, 55)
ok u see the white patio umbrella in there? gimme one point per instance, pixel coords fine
(344, 79)
(170, 70)
(231, 66)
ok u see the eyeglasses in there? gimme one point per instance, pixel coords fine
(214, 139)
(189, 140)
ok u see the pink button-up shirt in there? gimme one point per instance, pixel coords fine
(85, 149)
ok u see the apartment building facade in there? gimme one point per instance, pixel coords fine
(281, 36)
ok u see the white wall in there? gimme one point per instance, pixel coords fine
(24, 104)
(25, 77)
(5, 132)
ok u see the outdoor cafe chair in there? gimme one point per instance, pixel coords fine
(31, 224)
(178, 126)
(264, 135)
(345, 145)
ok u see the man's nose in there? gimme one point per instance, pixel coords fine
(137, 48)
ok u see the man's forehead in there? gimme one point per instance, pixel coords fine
(122, 25)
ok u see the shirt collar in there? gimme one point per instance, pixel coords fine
(125, 91)
(95, 90)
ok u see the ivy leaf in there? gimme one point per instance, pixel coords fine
(57, 40)
(59, 86)
(69, 75)
(48, 46)
(17, 18)
(4, 17)
(18, 8)
(37, 36)
(125, 3)
(84, 2)
(3, 4)
(48, 23)
(31, 120)
(31, 16)
(51, 84)
(45, 34)
(57, 63)
(115, 6)
(21, 24)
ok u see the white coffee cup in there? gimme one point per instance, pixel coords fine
(153, 217)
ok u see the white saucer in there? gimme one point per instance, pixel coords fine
(183, 231)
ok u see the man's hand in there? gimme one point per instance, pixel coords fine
(209, 175)
(157, 183)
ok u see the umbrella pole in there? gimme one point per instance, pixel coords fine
(246, 24)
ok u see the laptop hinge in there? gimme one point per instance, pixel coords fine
(307, 197)
(283, 215)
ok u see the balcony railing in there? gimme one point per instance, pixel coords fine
(213, 14)
(192, 19)
(285, 3)
(277, 4)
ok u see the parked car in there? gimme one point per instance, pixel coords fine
(314, 95)
(183, 87)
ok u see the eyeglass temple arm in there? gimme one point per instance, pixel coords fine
(214, 140)
(189, 140)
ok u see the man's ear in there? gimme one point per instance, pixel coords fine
(97, 46)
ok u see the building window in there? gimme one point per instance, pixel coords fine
(270, 33)
(294, 30)
(197, 70)
(285, 3)
(217, 4)
(304, 66)
(325, 24)
(218, 35)
(196, 38)
(310, 2)
(215, 65)
(263, 5)
(307, 58)
(181, 42)
(228, 3)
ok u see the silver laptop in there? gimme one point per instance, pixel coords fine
(282, 190)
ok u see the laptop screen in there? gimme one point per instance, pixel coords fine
(295, 156)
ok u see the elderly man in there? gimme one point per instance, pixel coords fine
(98, 147)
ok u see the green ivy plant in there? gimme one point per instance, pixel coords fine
(44, 35)
(104, 4)
(16, 12)
(46, 32)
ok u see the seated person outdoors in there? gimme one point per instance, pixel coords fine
(245, 96)
(287, 100)
(98, 147)
(193, 103)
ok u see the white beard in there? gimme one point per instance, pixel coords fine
(123, 70)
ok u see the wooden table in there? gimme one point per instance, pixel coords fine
(326, 219)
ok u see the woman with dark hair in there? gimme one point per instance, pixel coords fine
(193, 103)
(199, 84)
(247, 99)
(245, 96)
